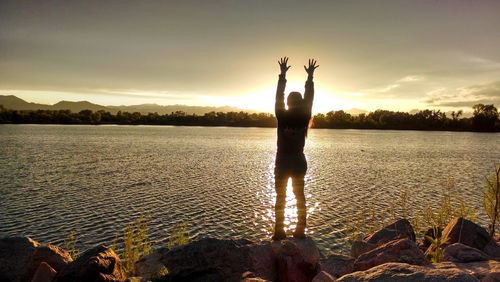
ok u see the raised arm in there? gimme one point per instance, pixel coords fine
(279, 107)
(309, 91)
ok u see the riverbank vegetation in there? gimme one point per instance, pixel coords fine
(429, 222)
(485, 119)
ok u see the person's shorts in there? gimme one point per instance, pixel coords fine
(290, 164)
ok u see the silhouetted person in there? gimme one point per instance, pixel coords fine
(290, 160)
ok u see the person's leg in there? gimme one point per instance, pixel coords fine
(298, 190)
(280, 182)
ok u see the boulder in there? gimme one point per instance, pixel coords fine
(403, 272)
(297, 259)
(254, 279)
(459, 252)
(402, 250)
(400, 229)
(151, 265)
(44, 273)
(492, 277)
(359, 247)
(16, 254)
(323, 276)
(337, 265)
(464, 231)
(20, 257)
(251, 277)
(211, 259)
(422, 245)
(263, 260)
(397, 230)
(479, 269)
(54, 256)
(97, 264)
(492, 249)
(137, 279)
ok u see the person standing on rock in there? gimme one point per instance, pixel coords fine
(290, 160)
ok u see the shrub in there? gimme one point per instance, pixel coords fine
(491, 201)
(178, 235)
(135, 242)
(70, 244)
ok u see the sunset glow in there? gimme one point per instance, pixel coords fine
(371, 55)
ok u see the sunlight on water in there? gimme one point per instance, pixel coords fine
(290, 208)
(220, 181)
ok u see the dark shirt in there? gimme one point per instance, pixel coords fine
(292, 124)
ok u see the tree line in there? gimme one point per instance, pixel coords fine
(485, 118)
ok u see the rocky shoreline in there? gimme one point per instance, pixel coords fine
(389, 254)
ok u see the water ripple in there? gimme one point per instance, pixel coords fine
(219, 181)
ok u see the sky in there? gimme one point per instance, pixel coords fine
(395, 55)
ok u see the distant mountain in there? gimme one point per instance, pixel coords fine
(15, 103)
(78, 106)
(152, 108)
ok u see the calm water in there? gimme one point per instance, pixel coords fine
(219, 181)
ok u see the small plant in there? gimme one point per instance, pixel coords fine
(491, 201)
(135, 243)
(437, 243)
(70, 244)
(447, 209)
(178, 236)
(159, 276)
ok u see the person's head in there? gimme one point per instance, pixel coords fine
(294, 100)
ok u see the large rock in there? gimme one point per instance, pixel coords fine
(492, 277)
(97, 264)
(359, 247)
(323, 276)
(402, 250)
(492, 249)
(459, 252)
(220, 260)
(44, 273)
(402, 272)
(461, 230)
(337, 265)
(15, 258)
(400, 229)
(20, 257)
(397, 230)
(479, 269)
(54, 256)
(297, 259)
(250, 277)
(151, 265)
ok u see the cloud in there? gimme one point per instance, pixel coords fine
(397, 84)
(465, 96)
(388, 88)
(144, 94)
(411, 78)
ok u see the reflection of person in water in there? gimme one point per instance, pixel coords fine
(290, 160)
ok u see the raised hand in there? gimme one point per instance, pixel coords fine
(312, 67)
(283, 67)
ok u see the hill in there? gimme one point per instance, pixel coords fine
(15, 103)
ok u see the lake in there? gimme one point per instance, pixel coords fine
(219, 181)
